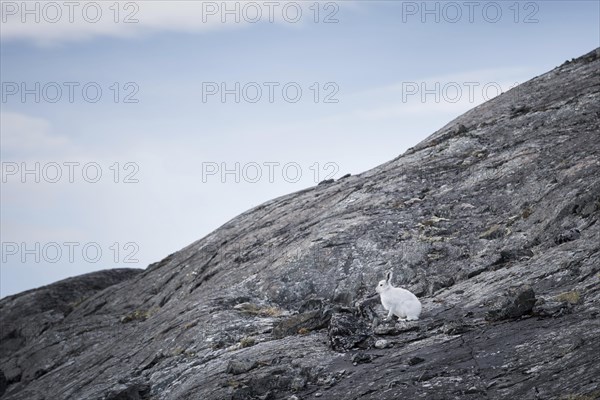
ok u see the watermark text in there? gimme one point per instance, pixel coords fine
(71, 92)
(71, 252)
(268, 171)
(69, 172)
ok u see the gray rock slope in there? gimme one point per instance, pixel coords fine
(492, 221)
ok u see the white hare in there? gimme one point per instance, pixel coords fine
(400, 302)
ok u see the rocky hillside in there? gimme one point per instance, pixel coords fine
(492, 221)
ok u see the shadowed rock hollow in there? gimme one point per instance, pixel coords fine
(492, 221)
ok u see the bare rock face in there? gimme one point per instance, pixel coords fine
(26, 316)
(492, 221)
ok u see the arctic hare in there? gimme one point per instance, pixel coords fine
(400, 302)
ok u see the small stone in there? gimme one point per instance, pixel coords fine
(415, 360)
(494, 232)
(568, 236)
(472, 390)
(237, 367)
(455, 328)
(318, 394)
(326, 182)
(552, 308)
(510, 255)
(460, 129)
(382, 344)
(384, 330)
(361, 358)
(412, 201)
(298, 383)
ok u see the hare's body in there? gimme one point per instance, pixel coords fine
(397, 301)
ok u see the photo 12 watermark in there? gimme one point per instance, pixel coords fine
(69, 12)
(269, 92)
(267, 172)
(69, 172)
(69, 92)
(69, 252)
(454, 91)
(252, 12)
(453, 12)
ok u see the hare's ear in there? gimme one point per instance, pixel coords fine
(388, 276)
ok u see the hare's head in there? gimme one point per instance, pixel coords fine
(385, 284)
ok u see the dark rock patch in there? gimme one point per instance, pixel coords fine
(362, 358)
(302, 323)
(515, 303)
(326, 182)
(347, 331)
(568, 236)
(415, 360)
(134, 392)
(3, 383)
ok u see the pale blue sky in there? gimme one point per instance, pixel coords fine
(369, 58)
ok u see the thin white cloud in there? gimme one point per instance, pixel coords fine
(51, 23)
(28, 136)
